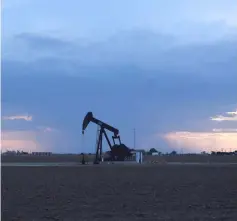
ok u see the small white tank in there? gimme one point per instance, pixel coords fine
(139, 157)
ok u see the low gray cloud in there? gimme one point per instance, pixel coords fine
(229, 116)
(18, 117)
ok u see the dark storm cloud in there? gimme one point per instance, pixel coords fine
(185, 85)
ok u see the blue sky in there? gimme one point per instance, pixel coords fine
(166, 68)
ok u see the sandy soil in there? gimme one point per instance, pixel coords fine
(120, 193)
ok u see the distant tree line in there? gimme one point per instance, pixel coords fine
(223, 153)
(154, 151)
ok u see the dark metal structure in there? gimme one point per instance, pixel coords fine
(117, 151)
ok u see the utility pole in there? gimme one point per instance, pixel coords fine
(134, 138)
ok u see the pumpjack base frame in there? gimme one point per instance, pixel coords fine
(98, 156)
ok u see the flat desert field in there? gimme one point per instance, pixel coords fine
(120, 192)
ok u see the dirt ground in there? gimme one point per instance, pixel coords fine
(77, 158)
(161, 192)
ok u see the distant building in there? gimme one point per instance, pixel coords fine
(41, 153)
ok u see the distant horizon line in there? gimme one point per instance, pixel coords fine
(79, 153)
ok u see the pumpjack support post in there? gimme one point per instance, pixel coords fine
(83, 161)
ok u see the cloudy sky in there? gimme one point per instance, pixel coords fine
(166, 68)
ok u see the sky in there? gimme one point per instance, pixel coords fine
(166, 68)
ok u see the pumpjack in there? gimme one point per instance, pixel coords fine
(118, 152)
